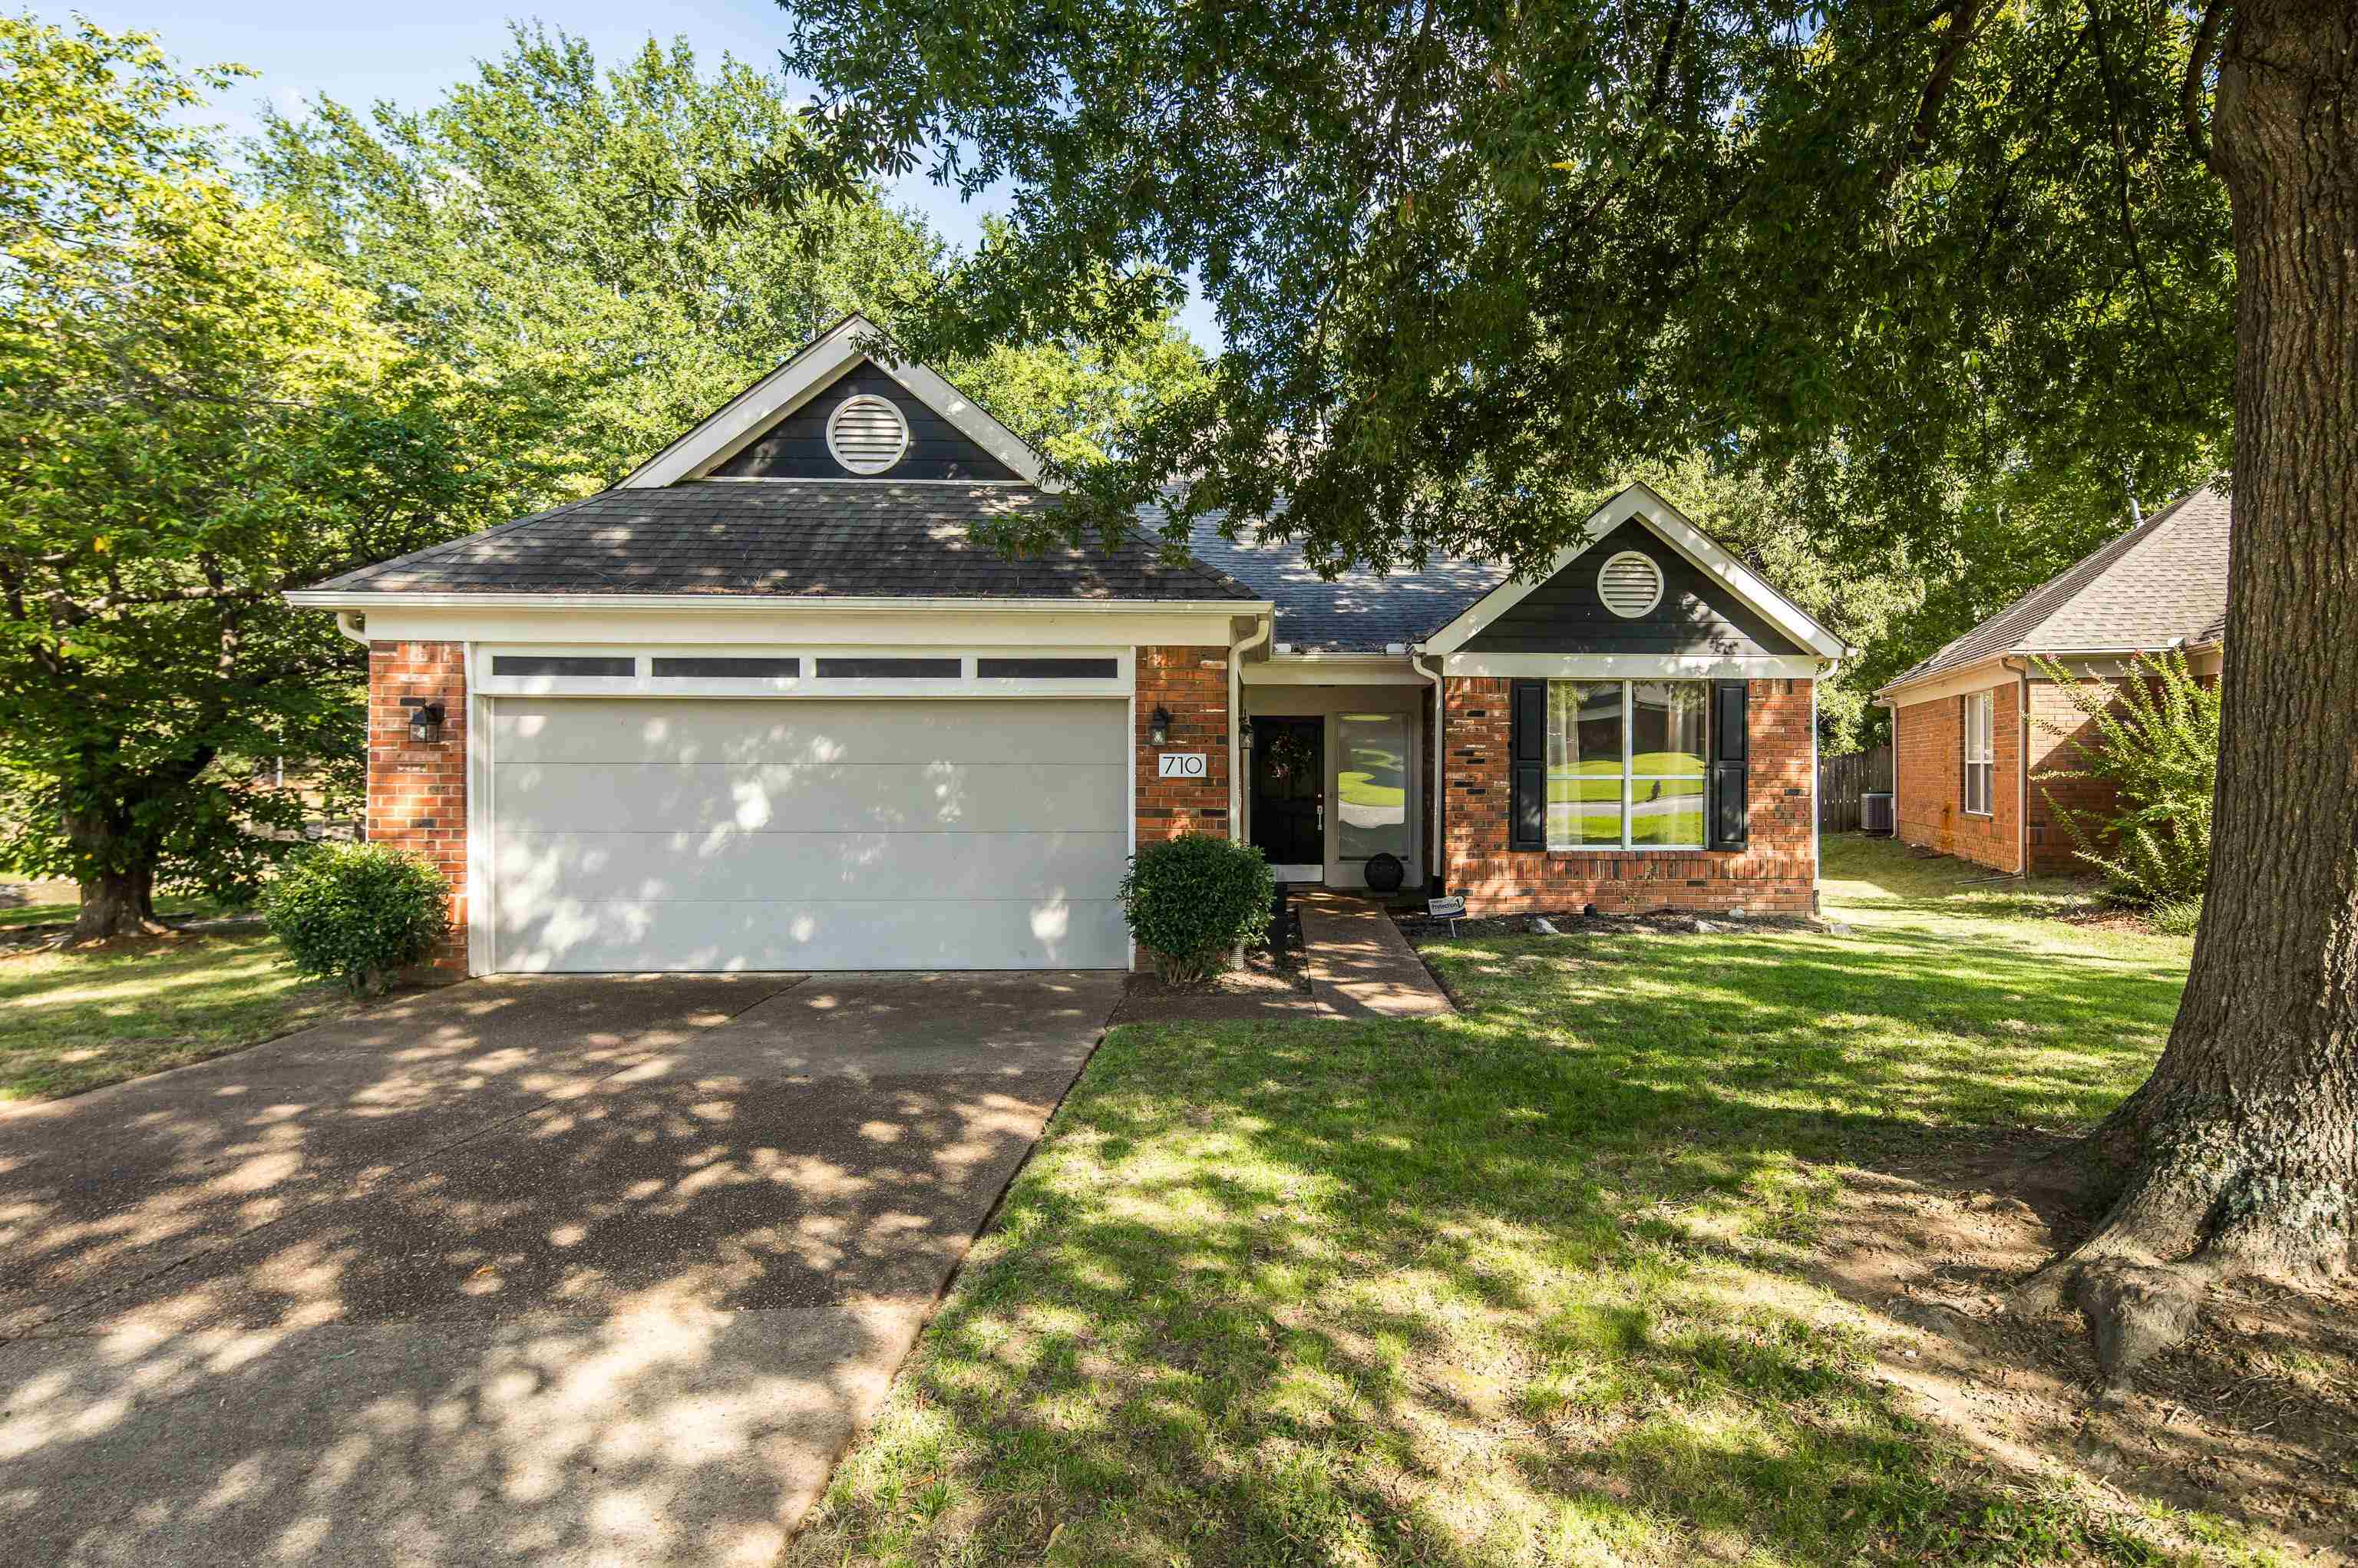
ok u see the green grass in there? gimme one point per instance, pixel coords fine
(72, 1022)
(1517, 1287)
(63, 913)
(1361, 789)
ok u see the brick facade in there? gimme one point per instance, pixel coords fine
(2051, 846)
(417, 793)
(1929, 752)
(1776, 873)
(1192, 685)
(1928, 761)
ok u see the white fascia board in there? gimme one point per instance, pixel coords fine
(584, 622)
(1638, 667)
(1667, 524)
(770, 603)
(1377, 669)
(777, 394)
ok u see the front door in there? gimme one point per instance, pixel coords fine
(1289, 796)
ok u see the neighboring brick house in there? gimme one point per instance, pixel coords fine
(775, 702)
(1973, 726)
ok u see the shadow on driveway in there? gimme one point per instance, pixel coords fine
(577, 1270)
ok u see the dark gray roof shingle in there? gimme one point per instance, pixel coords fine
(2164, 581)
(1361, 612)
(854, 538)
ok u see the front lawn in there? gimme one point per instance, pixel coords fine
(1529, 1285)
(72, 1022)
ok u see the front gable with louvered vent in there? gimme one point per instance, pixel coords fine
(1642, 591)
(864, 424)
(833, 412)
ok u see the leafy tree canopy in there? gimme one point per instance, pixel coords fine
(538, 225)
(194, 416)
(1465, 253)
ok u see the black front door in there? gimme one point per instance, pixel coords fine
(1288, 790)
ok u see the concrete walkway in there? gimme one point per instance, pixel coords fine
(577, 1270)
(1360, 965)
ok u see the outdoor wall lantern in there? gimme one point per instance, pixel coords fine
(1158, 727)
(1244, 730)
(426, 724)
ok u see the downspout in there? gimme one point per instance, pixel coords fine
(1437, 861)
(1237, 651)
(348, 622)
(2021, 668)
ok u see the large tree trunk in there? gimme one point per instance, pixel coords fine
(2240, 1154)
(118, 901)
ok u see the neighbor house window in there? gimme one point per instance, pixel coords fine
(1625, 764)
(1980, 760)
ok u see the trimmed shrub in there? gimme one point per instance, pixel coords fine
(2155, 735)
(357, 912)
(1193, 899)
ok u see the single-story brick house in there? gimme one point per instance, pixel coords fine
(1971, 727)
(769, 703)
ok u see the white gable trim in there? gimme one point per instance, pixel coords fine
(1665, 522)
(746, 416)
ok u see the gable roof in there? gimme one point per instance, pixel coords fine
(2162, 583)
(1642, 505)
(1359, 612)
(814, 367)
(815, 538)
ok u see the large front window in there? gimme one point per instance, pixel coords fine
(1625, 764)
(1371, 786)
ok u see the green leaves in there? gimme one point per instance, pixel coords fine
(1466, 256)
(357, 912)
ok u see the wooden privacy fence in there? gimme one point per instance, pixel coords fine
(1841, 782)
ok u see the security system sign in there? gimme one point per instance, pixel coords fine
(1182, 765)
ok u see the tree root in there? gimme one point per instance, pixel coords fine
(2189, 1223)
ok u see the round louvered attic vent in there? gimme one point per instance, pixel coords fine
(1630, 584)
(866, 434)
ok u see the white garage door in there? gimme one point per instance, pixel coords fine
(807, 835)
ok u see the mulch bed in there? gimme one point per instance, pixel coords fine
(1271, 984)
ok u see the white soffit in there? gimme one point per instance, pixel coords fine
(746, 416)
(1667, 524)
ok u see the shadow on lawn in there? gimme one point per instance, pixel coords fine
(1498, 1289)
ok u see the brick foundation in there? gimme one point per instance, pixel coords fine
(417, 793)
(1192, 685)
(1776, 873)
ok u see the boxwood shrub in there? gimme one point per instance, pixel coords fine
(357, 912)
(1193, 899)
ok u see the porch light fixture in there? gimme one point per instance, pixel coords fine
(1244, 730)
(426, 724)
(1158, 727)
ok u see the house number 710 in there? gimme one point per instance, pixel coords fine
(1180, 765)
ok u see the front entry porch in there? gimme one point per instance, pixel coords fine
(1334, 775)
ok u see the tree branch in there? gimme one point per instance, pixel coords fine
(1960, 37)
(2197, 65)
(2128, 216)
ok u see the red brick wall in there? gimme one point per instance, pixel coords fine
(1192, 684)
(1927, 748)
(2051, 845)
(1775, 873)
(417, 793)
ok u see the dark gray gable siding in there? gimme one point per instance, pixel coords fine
(1564, 615)
(796, 446)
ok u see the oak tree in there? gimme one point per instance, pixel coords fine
(1464, 251)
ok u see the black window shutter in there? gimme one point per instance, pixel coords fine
(1527, 766)
(1731, 758)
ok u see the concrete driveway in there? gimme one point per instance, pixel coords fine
(551, 1271)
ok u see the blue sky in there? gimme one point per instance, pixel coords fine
(411, 50)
